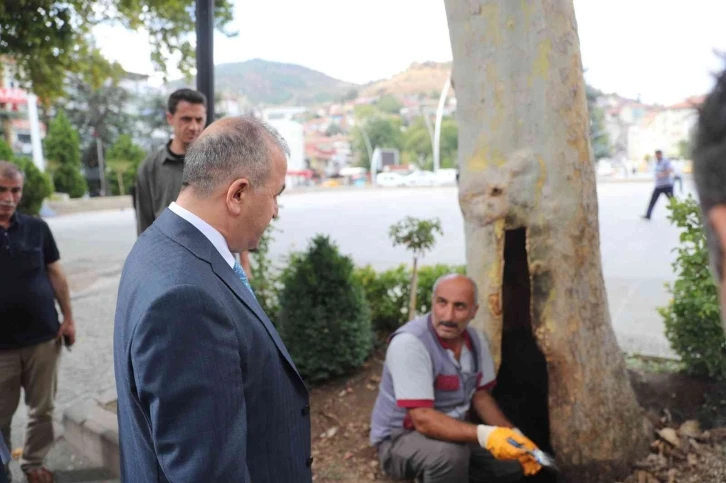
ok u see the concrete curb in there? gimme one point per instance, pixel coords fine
(93, 431)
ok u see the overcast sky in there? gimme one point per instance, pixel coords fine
(660, 50)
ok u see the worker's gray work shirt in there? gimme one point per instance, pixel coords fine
(421, 371)
(158, 183)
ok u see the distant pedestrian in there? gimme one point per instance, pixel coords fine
(663, 181)
(32, 281)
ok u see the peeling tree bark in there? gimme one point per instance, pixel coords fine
(525, 161)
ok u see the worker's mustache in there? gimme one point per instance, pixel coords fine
(448, 323)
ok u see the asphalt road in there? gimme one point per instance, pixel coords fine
(636, 254)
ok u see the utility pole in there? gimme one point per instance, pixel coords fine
(205, 53)
(437, 128)
(101, 163)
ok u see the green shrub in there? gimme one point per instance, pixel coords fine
(387, 296)
(387, 293)
(122, 162)
(6, 154)
(68, 179)
(324, 318)
(265, 280)
(62, 148)
(37, 186)
(692, 318)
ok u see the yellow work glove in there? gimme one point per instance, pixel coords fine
(495, 439)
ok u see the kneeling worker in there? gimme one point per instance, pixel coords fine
(437, 368)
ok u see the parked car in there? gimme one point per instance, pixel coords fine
(389, 180)
(421, 178)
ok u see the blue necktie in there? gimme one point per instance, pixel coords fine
(243, 276)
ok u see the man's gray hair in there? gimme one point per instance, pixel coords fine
(10, 170)
(455, 275)
(241, 148)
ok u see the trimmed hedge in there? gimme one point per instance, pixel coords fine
(324, 317)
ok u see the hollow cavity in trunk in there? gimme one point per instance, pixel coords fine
(521, 389)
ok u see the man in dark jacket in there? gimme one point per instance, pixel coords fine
(207, 391)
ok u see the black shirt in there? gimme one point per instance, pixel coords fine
(27, 302)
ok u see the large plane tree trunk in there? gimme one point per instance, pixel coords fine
(528, 196)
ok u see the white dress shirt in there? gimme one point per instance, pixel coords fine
(212, 235)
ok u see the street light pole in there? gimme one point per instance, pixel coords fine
(437, 128)
(205, 53)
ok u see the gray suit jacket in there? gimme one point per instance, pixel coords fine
(207, 391)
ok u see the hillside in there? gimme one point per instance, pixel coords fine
(420, 78)
(269, 83)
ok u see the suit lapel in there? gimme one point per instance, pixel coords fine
(230, 279)
(187, 235)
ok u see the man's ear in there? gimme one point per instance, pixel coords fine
(169, 118)
(237, 194)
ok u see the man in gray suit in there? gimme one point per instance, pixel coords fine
(207, 391)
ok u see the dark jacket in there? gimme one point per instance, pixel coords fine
(207, 391)
(158, 183)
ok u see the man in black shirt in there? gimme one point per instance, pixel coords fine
(31, 334)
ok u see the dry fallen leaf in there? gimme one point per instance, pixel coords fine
(672, 475)
(670, 435)
(348, 455)
(718, 434)
(690, 429)
(342, 393)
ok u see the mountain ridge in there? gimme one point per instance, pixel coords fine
(264, 82)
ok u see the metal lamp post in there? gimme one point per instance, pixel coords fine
(437, 128)
(205, 53)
